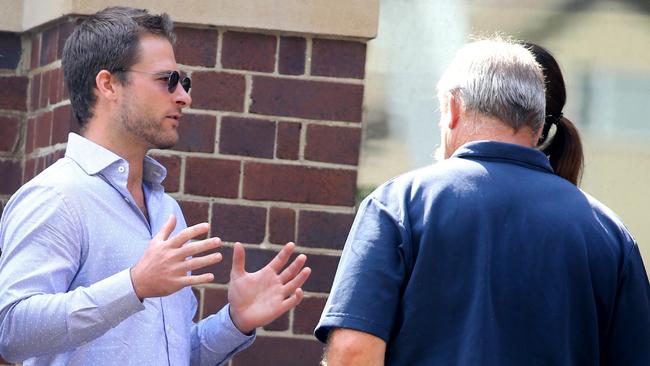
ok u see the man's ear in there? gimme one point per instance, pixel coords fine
(450, 111)
(106, 86)
(454, 110)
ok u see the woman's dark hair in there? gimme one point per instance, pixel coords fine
(108, 40)
(564, 148)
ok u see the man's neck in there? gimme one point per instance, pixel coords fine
(123, 145)
(479, 128)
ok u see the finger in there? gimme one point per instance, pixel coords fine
(292, 301)
(297, 281)
(293, 269)
(196, 247)
(238, 261)
(282, 258)
(195, 263)
(188, 233)
(198, 279)
(166, 229)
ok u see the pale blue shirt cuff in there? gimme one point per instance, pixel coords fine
(116, 298)
(220, 336)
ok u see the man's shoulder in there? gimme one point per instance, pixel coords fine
(63, 173)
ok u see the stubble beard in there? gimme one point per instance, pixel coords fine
(146, 128)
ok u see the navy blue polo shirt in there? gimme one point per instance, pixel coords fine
(489, 258)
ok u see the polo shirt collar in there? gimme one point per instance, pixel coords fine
(94, 158)
(495, 150)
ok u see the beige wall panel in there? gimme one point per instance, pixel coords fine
(345, 18)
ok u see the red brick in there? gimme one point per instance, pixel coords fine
(214, 300)
(247, 137)
(58, 154)
(49, 45)
(212, 177)
(248, 51)
(292, 55)
(63, 122)
(196, 133)
(14, 93)
(50, 159)
(338, 58)
(56, 85)
(29, 136)
(293, 183)
(306, 99)
(246, 224)
(322, 274)
(30, 170)
(218, 91)
(40, 164)
(11, 47)
(332, 144)
(282, 225)
(280, 351)
(36, 51)
(9, 133)
(220, 270)
(195, 46)
(288, 140)
(64, 31)
(307, 314)
(279, 324)
(45, 90)
(324, 229)
(35, 94)
(173, 165)
(194, 212)
(43, 129)
(11, 172)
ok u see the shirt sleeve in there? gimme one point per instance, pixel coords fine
(216, 339)
(41, 238)
(368, 282)
(628, 336)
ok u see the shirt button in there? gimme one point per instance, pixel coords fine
(121, 169)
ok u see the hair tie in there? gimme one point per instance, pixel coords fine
(554, 119)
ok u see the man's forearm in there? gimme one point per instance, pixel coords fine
(54, 323)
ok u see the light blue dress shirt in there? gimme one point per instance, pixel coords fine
(68, 239)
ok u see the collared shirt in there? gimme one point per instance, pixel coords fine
(68, 239)
(489, 258)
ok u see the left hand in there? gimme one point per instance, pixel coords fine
(258, 298)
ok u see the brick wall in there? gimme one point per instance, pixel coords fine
(268, 152)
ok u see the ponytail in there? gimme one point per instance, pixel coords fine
(565, 150)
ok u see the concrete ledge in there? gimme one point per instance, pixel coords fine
(357, 19)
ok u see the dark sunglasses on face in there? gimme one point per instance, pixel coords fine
(173, 78)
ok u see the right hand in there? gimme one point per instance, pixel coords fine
(164, 267)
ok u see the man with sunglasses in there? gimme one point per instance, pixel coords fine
(97, 259)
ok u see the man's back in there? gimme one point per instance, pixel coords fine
(490, 258)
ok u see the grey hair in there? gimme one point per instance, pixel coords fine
(497, 78)
(108, 40)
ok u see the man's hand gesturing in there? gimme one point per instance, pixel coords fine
(164, 267)
(258, 298)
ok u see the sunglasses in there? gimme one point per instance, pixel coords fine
(173, 78)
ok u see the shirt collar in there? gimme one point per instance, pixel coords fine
(94, 159)
(495, 150)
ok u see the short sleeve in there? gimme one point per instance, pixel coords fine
(371, 273)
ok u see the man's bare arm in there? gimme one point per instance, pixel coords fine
(352, 347)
